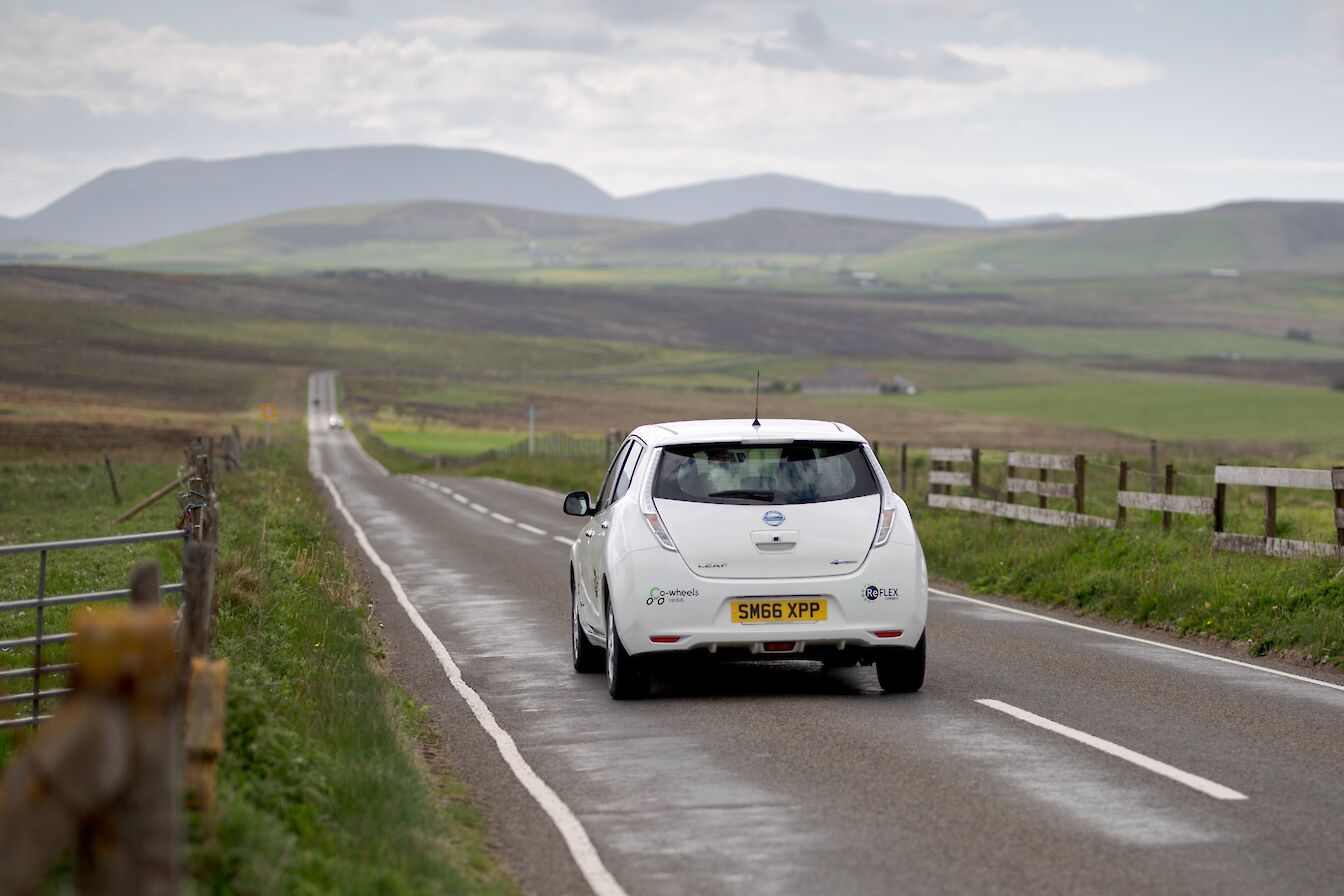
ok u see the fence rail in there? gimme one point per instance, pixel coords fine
(942, 479)
(41, 638)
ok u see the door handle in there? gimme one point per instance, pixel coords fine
(590, 533)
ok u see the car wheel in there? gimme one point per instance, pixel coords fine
(587, 656)
(625, 677)
(900, 670)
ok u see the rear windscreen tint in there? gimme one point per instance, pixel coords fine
(732, 473)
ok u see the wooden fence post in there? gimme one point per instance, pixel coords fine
(1079, 481)
(111, 478)
(105, 773)
(975, 472)
(145, 585)
(132, 845)
(205, 679)
(1168, 487)
(1042, 475)
(1219, 500)
(1337, 479)
(1121, 485)
(1271, 511)
(197, 628)
(1008, 496)
(903, 468)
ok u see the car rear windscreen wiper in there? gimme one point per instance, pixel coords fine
(752, 494)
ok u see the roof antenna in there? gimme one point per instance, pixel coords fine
(756, 422)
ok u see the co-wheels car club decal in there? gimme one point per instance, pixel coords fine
(661, 596)
(873, 592)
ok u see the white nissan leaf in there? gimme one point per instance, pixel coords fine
(747, 540)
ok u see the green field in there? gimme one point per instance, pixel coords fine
(453, 441)
(1172, 343)
(1164, 409)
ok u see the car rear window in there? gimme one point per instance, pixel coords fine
(794, 473)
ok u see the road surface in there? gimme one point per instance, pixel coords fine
(1042, 755)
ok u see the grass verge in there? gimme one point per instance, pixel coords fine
(321, 789)
(322, 785)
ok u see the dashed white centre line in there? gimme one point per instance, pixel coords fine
(480, 508)
(1195, 782)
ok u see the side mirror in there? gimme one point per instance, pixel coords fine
(578, 504)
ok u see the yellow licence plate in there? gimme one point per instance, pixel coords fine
(801, 609)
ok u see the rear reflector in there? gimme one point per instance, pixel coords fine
(665, 639)
(776, 646)
(894, 633)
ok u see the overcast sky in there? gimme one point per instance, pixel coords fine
(1018, 107)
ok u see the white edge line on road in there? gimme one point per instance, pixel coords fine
(1195, 782)
(502, 518)
(533, 529)
(566, 822)
(563, 540)
(1137, 640)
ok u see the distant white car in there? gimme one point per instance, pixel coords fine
(731, 539)
(335, 421)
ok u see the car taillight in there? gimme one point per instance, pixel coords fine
(646, 505)
(886, 520)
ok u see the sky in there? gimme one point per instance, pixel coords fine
(1019, 107)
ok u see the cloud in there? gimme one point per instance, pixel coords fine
(809, 45)
(517, 36)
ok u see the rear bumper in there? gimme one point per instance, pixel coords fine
(656, 598)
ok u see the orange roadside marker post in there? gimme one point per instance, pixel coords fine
(268, 413)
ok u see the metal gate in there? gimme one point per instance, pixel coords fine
(42, 636)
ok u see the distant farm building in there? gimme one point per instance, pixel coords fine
(856, 381)
(861, 279)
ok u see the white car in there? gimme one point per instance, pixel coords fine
(738, 539)
(335, 421)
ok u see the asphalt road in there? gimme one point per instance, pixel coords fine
(1040, 757)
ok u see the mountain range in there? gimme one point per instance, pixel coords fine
(165, 198)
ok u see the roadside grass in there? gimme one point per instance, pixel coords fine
(320, 790)
(322, 786)
(1175, 582)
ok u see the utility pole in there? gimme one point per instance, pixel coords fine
(531, 430)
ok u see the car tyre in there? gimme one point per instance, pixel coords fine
(900, 670)
(587, 656)
(626, 678)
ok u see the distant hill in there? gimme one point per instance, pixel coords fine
(718, 199)
(149, 202)
(471, 239)
(1242, 236)
(166, 198)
